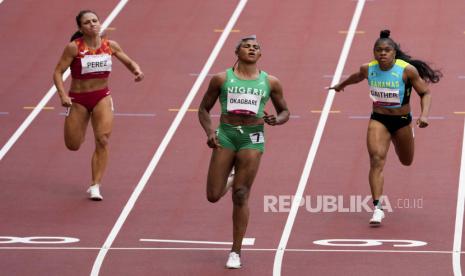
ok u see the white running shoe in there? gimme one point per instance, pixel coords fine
(234, 260)
(94, 192)
(378, 215)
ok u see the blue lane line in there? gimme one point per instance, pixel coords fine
(135, 114)
(430, 117)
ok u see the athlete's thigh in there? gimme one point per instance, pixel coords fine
(378, 139)
(102, 117)
(246, 167)
(221, 163)
(76, 122)
(404, 143)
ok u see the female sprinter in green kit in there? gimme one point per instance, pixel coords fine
(239, 141)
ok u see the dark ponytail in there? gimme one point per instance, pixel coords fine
(76, 35)
(424, 70)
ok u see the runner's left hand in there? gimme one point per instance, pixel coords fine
(270, 119)
(422, 122)
(139, 76)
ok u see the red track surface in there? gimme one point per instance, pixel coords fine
(43, 185)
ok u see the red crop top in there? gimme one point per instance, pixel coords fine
(91, 64)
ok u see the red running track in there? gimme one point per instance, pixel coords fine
(43, 185)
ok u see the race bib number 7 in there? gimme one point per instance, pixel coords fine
(257, 138)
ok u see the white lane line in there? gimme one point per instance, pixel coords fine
(197, 74)
(52, 91)
(316, 141)
(30, 118)
(459, 214)
(332, 76)
(164, 143)
(245, 241)
(229, 248)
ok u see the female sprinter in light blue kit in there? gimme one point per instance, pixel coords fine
(391, 77)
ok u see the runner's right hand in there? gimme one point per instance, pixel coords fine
(66, 101)
(212, 141)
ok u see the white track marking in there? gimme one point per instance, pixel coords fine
(229, 248)
(164, 143)
(52, 90)
(459, 215)
(30, 118)
(316, 141)
(245, 241)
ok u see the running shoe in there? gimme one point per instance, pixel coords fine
(94, 192)
(234, 260)
(378, 215)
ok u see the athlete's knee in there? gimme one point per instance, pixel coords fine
(377, 161)
(240, 196)
(406, 161)
(405, 158)
(101, 140)
(213, 197)
(73, 144)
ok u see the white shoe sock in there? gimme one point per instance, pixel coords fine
(234, 260)
(94, 192)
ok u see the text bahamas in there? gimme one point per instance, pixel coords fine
(385, 84)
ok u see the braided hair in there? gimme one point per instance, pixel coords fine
(426, 72)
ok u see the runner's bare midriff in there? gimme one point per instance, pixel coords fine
(405, 109)
(242, 120)
(89, 85)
